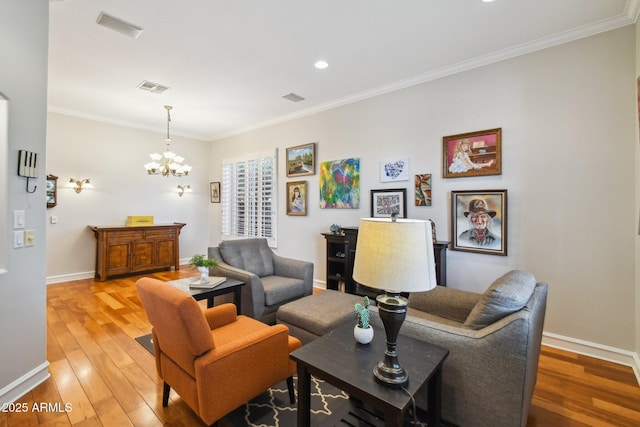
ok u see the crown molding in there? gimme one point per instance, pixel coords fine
(628, 17)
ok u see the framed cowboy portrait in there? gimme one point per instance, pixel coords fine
(472, 154)
(479, 222)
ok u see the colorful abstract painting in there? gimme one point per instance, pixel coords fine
(423, 189)
(340, 184)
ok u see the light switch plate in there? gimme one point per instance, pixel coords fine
(18, 219)
(18, 239)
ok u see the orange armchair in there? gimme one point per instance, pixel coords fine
(214, 359)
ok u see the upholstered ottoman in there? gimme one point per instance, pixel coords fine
(313, 316)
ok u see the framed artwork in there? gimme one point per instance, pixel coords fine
(340, 184)
(301, 160)
(214, 189)
(297, 198)
(52, 191)
(423, 189)
(386, 202)
(479, 222)
(472, 154)
(394, 170)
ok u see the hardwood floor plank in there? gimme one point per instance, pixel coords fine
(71, 392)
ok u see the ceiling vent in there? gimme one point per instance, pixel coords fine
(117, 24)
(293, 97)
(152, 87)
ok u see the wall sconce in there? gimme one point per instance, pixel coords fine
(184, 189)
(79, 184)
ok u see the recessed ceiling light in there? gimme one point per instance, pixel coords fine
(487, 1)
(321, 65)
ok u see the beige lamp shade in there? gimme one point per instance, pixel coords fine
(395, 256)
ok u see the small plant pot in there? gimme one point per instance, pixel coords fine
(362, 335)
(204, 274)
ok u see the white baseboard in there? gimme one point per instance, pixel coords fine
(25, 384)
(71, 277)
(599, 351)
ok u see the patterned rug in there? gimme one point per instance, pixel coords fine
(273, 407)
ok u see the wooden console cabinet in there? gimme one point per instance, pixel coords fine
(136, 249)
(341, 254)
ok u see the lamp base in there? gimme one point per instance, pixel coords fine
(392, 309)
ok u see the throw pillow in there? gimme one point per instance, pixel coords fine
(506, 295)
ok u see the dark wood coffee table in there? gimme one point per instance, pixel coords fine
(339, 360)
(229, 285)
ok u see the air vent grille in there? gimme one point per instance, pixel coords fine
(117, 24)
(152, 87)
(293, 97)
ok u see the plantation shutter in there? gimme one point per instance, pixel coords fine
(248, 197)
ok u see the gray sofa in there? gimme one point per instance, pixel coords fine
(494, 344)
(270, 280)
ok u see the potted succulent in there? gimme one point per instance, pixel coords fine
(363, 332)
(203, 264)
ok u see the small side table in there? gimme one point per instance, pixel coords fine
(339, 360)
(229, 285)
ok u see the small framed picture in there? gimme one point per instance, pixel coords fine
(423, 189)
(386, 202)
(479, 222)
(297, 198)
(472, 154)
(214, 188)
(301, 160)
(394, 170)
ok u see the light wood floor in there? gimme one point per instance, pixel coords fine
(108, 379)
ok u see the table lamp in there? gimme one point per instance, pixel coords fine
(395, 255)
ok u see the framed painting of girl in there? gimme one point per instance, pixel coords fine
(472, 154)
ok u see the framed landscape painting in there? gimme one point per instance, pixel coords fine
(479, 222)
(301, 160)
(472, 154)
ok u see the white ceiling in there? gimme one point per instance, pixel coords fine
(228, 63)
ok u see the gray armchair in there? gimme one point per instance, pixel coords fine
(270, 280)
(493, 341)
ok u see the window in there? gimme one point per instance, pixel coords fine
(249, 197)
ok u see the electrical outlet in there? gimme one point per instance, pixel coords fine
(53, 219)
(29, 237)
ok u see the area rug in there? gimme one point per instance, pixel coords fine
(145, 341)
(273, 407)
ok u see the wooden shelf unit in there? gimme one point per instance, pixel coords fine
(135, 249)
(341, 253)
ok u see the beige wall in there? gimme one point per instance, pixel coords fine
(569, 141)
(23, 80)
(113, 158)
(637, 254)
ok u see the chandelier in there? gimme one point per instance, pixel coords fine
(167, 163)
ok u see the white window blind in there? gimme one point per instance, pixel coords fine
(248, 197)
